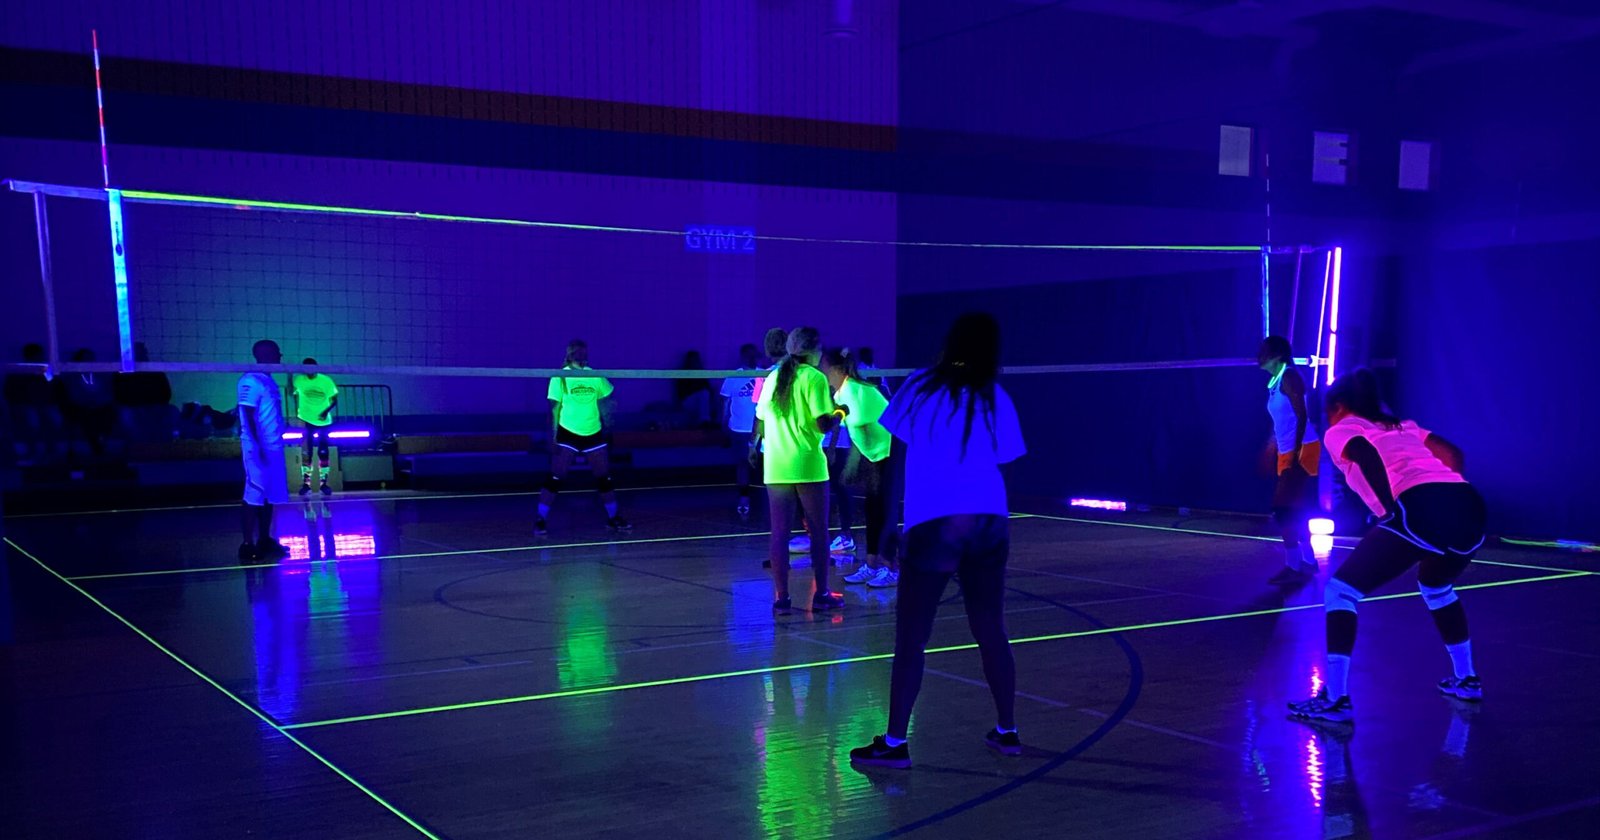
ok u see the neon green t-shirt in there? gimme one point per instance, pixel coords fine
(792, 441)
(866, 405)
(313, 395)
(578, 400)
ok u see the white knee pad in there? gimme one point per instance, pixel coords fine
(1338, 595)
(1438, 597)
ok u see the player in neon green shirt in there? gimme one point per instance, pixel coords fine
(315, 398)
(793, 413)
(868, 463)
(580, 411)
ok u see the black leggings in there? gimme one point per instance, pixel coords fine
(976, 545)
(1439, 529)
(873, 480)
(839, 489)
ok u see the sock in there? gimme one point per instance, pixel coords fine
(544, 510)
(611, 509)
(1455, 741)
(1338, 676)
(1004, 731)
(1461, 658)
(893, 741)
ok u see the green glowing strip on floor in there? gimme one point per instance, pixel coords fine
(243, 203)
(347, 499)
(875, 657)
(456, 552)
(1176, 530)
(230, 695)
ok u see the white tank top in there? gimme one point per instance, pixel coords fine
(1283, 419)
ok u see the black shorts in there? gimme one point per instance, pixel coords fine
(568, 439)
(966, 543)
(1440, 518)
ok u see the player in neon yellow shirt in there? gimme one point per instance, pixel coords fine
(315, 398)
(868, 463)
(794, 411)
(580, 411)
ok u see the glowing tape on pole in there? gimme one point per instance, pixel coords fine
(1333, 315)
(119, 268)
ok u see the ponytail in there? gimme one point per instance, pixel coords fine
(1359, 393)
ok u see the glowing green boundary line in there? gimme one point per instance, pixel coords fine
(873, 657)
(1175, 530)
(347, 499)
(230, 695)
(454, 552)
(457, 552)
(241, 203)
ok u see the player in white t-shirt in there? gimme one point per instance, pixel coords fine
(266, 481)
(953, 426)
(1428, 516)
(739, 415)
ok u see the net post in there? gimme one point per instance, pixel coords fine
(1266, 291)
(41, 224)
(119, 268)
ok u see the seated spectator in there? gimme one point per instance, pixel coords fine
(144, 400)
(86, 403)
(34, 418)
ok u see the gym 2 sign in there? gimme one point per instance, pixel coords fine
(720, 240)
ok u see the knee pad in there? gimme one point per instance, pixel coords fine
(1438, 597)
(605, 484)
(552, 484)
(1338, 595)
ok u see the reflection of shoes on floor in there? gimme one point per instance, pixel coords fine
(1463, 688)
(800, 545)
(271, 549)
(744, 507)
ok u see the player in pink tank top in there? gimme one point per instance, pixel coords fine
(1427, 516)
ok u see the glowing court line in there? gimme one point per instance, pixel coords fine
(1200, 532)
(263, 717)
(454, 552)
(874, 657)
(347, 499)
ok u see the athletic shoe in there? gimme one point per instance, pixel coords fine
(861, 575)
(885, 578)
(1005, 743)
(880, 754)
(1321, 709)
(271, 549)
(247, 551)
(800, 545)
(326, 490)
(1464, 688)
(782, 606)
(827, 601)
(1290, 577)
(842, 544)
(305, 488)
(540, 529)
(619, 525)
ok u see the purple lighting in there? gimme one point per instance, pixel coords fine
(343, 434)
(1099, 504)
(1333, 316)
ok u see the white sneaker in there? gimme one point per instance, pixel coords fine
(885, 577)
(800, 544)
(842, 544)
(861, 575)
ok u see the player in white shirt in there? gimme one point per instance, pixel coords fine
(1428, 516)
(739, 415)
(261, 427)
